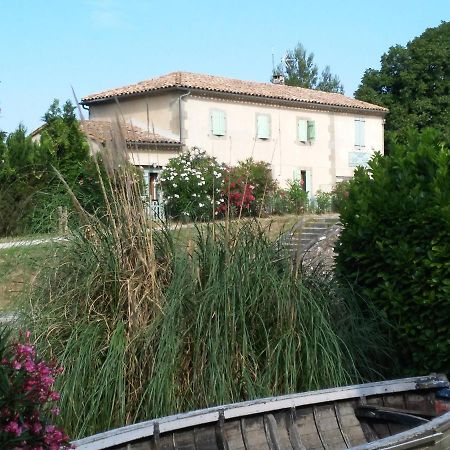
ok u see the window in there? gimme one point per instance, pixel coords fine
(262, 126)
(359, 133)
(218, 122)
(306, 130)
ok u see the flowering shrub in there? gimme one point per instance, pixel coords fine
(191, 183)
(236, 195)
(298, 196)
(27, 398)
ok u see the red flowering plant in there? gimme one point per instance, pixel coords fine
(27, 398)
(236, 195)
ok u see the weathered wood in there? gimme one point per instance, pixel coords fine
(272, 434)
(349, 424)
(381, 429)
(205, 438)
(390, 415)
(233, 435)
(184, 440)
(254, 433)
(395, 401)
(307, 429)
(328, 428)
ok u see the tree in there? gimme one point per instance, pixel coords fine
(300, 70)
(395, 246)
(414, 83)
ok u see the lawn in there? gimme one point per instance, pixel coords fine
(18, 266)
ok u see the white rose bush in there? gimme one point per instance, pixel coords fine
(192, 183)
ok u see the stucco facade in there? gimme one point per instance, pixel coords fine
(320, 140)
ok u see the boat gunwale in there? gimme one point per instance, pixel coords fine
(141, 430)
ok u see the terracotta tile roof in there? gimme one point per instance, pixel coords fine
(103, 131)
(188, 80)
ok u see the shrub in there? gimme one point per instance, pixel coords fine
(298, 196)
(259, 175)
(279, 203)
(191, 183)
(396, 244)
(323, 202)
(237, 195)
(27, 395)
(339, 195)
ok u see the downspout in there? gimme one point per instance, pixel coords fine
(180, 111)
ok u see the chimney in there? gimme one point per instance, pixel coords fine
(277, 78)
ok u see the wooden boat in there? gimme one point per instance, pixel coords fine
(411, 413)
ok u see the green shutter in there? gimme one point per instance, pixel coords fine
(302, 130)
(296, 175)
(262, 126)
(359, 132)
(311, 130)
(218, 123)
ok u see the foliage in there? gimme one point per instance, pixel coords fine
(191, 183)
(339, 195)
(300, 70)
(27, 395)
(258, 174)
(236, 196)
(323, 202)
(298, 196)
(158, 328)
(396, 244)
(30, 191)
(414, 83)
(279, 203)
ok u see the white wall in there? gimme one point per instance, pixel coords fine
(327, 156)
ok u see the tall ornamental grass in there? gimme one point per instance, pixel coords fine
(147, 325)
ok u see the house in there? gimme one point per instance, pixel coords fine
(309, 135)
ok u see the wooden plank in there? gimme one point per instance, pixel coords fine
(294, 436)
(328, 427)
(350, 426)
(164, 443)
(395, 401)
(184, 440)
(144, 445)
(233, 435)
(307, 429)
(381, 429)
(254, 433)
(423, 402)
(273, 435)
(205, 438)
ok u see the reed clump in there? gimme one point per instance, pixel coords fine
(146, 325)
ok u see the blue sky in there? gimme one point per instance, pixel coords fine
(49, 46)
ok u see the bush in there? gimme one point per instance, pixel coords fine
(257, 174)
(323, 202)
(298, 196)
(396, 247)
(191, 183)
(27, 395)
(237, 196)
(339, 195)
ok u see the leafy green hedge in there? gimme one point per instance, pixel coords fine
(396, 247)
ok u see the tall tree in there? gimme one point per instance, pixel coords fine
(414, 83)
(299, 69)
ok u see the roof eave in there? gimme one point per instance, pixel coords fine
(261, 98)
